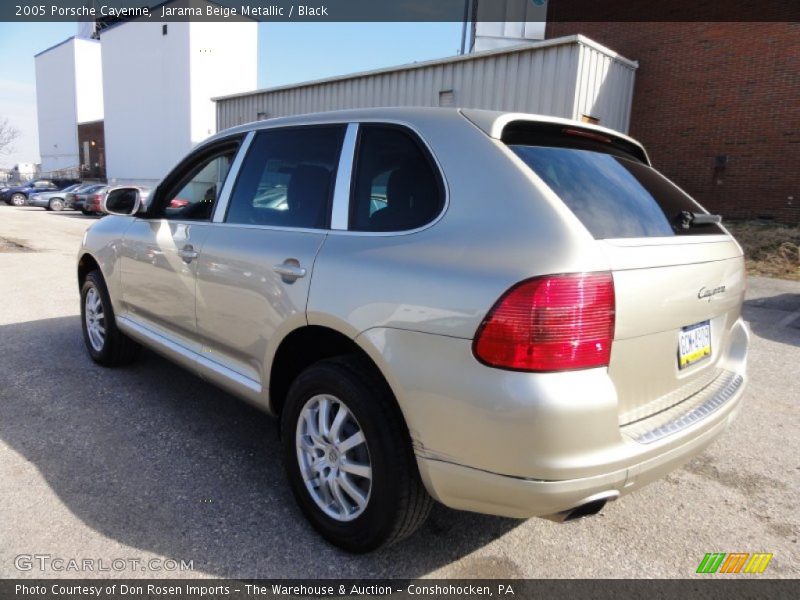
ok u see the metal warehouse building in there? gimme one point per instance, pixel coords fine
(572, 77)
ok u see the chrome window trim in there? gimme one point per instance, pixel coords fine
(340, 213)
(332, 231)
(233, 173)
(438, 166)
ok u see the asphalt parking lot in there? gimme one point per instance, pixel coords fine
(151, 462)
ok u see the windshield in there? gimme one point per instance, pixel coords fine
(613, 196)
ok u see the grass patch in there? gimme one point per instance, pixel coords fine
(770, 249)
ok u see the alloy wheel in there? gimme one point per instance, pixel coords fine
(95, 319)
(333, 457)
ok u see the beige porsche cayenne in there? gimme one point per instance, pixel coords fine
(507, 313)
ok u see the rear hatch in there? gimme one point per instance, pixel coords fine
(678, 276)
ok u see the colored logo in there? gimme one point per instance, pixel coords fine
(735, 562)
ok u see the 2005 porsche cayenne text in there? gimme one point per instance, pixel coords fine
(507, 313)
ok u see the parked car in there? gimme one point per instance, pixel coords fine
(81, 198)
(71, 197)
(507, 313)
(54, 200)
(18, 195)
(93, 201)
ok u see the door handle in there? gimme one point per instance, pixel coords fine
(290, 270)
(188, 253)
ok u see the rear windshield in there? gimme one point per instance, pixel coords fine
(613, 196)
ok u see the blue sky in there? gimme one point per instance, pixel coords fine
(288, 53)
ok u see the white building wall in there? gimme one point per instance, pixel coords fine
(224, 60)
(146, 90)
(524, 21)
(57, 107)
(25, 171)
(158, 90)
(88, 80)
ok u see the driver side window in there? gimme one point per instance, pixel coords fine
(194, 196)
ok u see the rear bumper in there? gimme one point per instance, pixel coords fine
(534, 444)
(470, 489)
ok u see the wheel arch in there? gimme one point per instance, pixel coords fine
(306, 345)
(86, 264)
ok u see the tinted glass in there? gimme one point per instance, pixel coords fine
(613, 196)
(396, 187)
(196, 197)
(287, 178)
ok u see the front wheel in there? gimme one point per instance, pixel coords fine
(348, 457)
(18, 200)
(106, 344)
(56, 204)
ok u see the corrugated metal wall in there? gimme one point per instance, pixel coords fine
(564, 78)
(604, 88)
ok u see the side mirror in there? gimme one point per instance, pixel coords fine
(123, 201)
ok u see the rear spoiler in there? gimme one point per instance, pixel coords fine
(522, 128)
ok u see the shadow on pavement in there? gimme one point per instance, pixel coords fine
(775, 318)
(155, 458)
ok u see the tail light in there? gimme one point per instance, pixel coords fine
(552, 323)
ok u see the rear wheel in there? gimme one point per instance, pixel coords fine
(18, 200)
(348, 457)
(56, 204)
(106, 344)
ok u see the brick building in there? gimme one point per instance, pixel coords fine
(717, 105)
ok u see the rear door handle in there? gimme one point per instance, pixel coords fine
(188, 253)
(290, 270)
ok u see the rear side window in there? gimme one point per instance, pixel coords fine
(287, 178)
(613, 196)
(396, 187)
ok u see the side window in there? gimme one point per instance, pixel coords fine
(287, 178)
(396, 187)
(194, 195)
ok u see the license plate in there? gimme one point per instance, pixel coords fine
(694, 344)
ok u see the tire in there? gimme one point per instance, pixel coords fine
(56, 204)
(18, 200)
(395, 502)
(113, 348)
(86, 212)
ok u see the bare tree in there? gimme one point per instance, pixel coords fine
(8, 135)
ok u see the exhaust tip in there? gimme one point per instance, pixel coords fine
(585, 510)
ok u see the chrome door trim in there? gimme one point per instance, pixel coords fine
(341, 194)
(183, 355)
(233, 173)
(229, 374)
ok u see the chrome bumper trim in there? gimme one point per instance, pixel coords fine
(697, 413)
